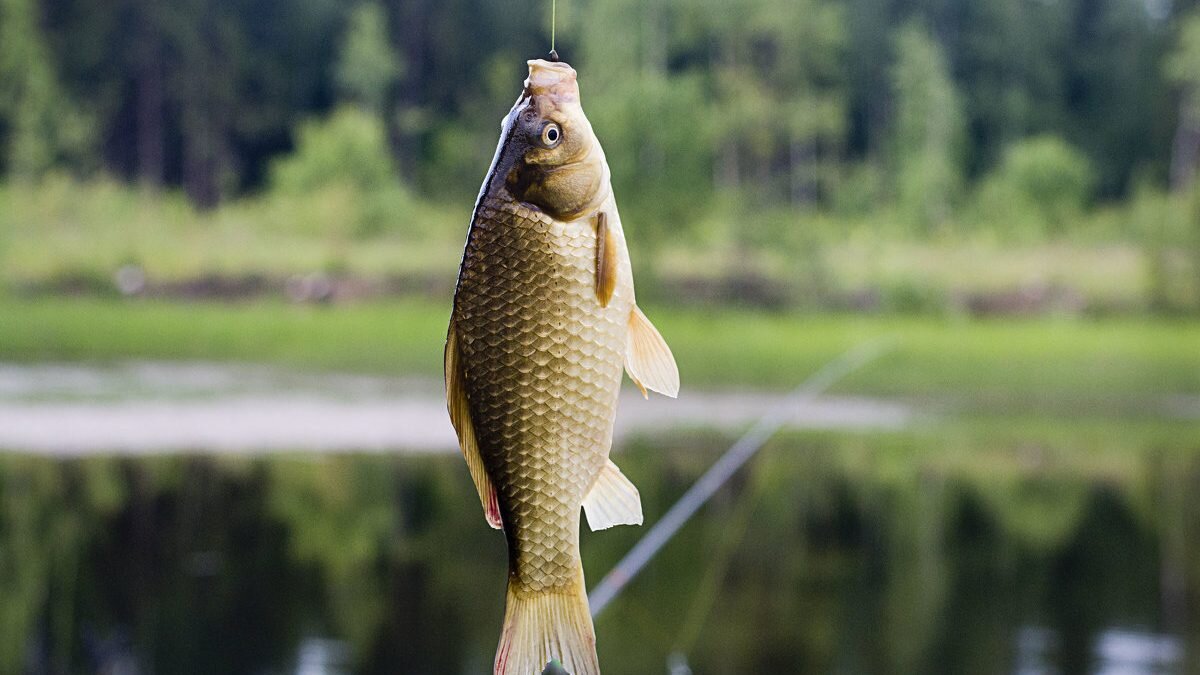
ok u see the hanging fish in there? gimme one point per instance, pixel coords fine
(544, 317)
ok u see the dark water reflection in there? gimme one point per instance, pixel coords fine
(966, 552)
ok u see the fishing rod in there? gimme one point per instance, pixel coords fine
(737, 455)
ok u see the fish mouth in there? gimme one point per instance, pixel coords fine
(554, 79)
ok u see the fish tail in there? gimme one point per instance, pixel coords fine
(541, 626)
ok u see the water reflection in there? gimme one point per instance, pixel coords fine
(848, 553)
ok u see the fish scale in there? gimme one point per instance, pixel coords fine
(528, 319)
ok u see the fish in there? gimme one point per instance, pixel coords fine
(543, 322)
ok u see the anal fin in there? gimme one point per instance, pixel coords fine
(460, 417)
(613, 500)
(648, 359)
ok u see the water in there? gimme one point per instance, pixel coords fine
(994, 546)
(152, 408)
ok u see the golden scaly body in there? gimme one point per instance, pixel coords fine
(544, 318)
(542, 366)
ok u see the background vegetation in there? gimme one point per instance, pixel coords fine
(1012, 156)
(1120, 367)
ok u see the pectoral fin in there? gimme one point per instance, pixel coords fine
(613, 500)
(460, 417)
(648, 359)
(606, 260)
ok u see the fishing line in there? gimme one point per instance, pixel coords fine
(553, 28)
(678, 515)
(710, 587)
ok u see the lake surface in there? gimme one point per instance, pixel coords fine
(156, 408)
(984, 546)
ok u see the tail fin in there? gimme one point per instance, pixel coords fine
(544, 626)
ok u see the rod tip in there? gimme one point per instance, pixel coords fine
(553, 56)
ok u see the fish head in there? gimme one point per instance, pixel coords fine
(556, 162)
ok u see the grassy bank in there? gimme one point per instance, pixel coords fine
(64, 235)
(1086, 366)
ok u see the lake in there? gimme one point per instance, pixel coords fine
(989, 545)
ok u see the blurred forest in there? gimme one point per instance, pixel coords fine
(761, 149)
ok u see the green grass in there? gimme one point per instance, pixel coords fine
(398, 337)
(865, 255)
(1088, 366)
(66, 229)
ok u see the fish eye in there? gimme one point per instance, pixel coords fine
(551, 134)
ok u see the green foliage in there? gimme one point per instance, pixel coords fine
(861, 190)
(779, 97)
(909, 296)
(1041, 187)
(344, 521)
(204, 94)
(1182, 68)
(47, 515)
(39, 125)
(367, 66)
(342, 168)
(1118, 53)
(927, 132)
(348, 148)
(80, 232)
(1039, 511)
(1168, 227)
(756, 133)
(1182, 65)
(64, 233)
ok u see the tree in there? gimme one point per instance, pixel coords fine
(1041, 182)
(779, 94)
(42, 126)
(1182, 68)
(927, 129)
(348, 148)
(1117, 107)
(367, 66)
(204, 94)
